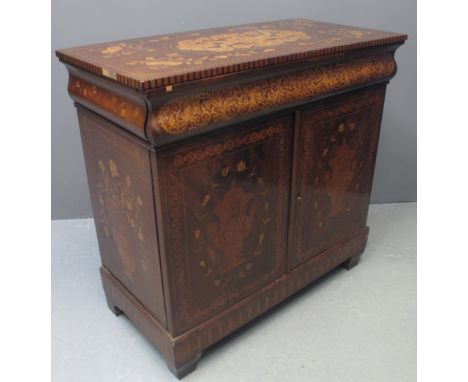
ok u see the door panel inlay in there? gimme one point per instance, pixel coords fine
(212, 195)
(337, 153)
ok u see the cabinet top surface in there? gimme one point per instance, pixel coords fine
(150, 62)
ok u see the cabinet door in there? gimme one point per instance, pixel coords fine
(225, 212)
(336, 145)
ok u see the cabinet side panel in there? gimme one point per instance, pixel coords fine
(338, 145)
(120, 184)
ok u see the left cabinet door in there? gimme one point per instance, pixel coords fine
(224, 203)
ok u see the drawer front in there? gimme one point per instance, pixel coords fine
(336, 149)
(224, 203)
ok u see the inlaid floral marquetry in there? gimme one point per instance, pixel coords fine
(108, 101)
(338, 146)
(120, 211)
(232, 228)
(157, 61)
(228, 168)
(121, 195)
(202, 109)
(232, 41)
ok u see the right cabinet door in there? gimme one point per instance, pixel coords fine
(335, 150)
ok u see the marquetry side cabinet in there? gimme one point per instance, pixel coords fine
(228, 168)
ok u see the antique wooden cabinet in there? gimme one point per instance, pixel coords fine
(228, 168)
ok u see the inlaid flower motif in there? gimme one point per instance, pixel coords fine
(187, 112)
(111, 49)
(340, 177)
(228, 42)
(234, 222)
(120, 209)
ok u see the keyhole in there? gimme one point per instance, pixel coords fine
(298, 196)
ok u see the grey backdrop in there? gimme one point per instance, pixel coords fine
(91, 21)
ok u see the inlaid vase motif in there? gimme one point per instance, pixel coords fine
(234, 222)
(119, 214)
(340, 177)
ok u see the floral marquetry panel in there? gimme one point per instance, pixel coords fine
(225, 208)
(119, 177)
(338, 145)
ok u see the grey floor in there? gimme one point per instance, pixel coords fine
(349, 326)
